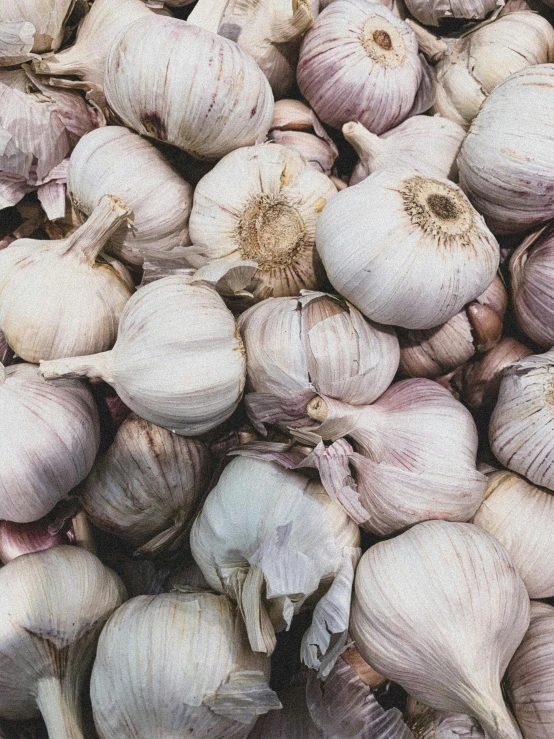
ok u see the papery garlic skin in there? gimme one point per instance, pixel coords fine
(406, 249)
(40, 29)
(178, 664)
(262, 203)
(318, 153)
(425, 605)
(49, 436)
(115, 161)
(17, 539)
(216, 116)
(431, 12)
(426, 723)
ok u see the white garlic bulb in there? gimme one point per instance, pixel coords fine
(432, 12)
(406, 249)
(269, 538)
(114, 161)
(441, 610)
(49, 436)
(53, 605)
(506, 162)
(27, 28)
(216, 116)
(360, 62)
(429, 144)
(297, 348)
(262, 203)
(178, 664)
(426, 723)
(57, 298)
(178, 360)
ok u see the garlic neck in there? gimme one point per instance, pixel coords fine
(60, 711)
(435, 49)
(284, 30)
(208, 14)
(95, 366)
(367, 145)
(338, 419)
(494, 717)
(92, 236)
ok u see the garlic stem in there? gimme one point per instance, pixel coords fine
(103, 222)
(59, 710)
(285, 30)
(94, 366)
(366, 144)
(208, 14)
(82, 532)
(317, 409)
(434, 48)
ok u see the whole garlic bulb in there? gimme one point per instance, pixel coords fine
(28, 28)
(360, 62)
(57, 298)
(406, 249)
(178, 360)
(425, 605)
(49, 436)
(114, 161)
(508, 175)
(216, 116)
(429, 144)
(426, 723)
(262, 203)
(53, 605)
(297, 348)
(432, 12)
(178, 664)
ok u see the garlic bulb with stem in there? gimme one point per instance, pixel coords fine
(440, 609)
(36, 28)
(49, 436)
(57, 298)
(216, 116)
(426, 723)
(178, 664)
(360, 62)
(178, 360)
(262, 203)
(114, 161)
(53, 605)
(406, 249)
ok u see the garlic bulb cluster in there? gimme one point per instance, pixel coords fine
(27, 28)
(426, 723)
(178, 360)
(49, 436)
(53, 605)
(425, 605)
(406, 249)
(432, 12)
(262, 203)
(360, 62)
(175, 665)
(506, 162)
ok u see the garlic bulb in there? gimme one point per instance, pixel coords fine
(28, 28)
(53, 605)
(262, 203)
(506, 162)
(511, 510)
(426, 723)
(269, 538)
(56, 298)
(115, 161)
(429, 144)
(406, 249)
(360, 62)
(432, 12)
(530, 675)
(216, 116)
(297, 348)
(147, 485)
(178, 664)
(519, 430)
(49, 436)
(178, 360)
(440, 609)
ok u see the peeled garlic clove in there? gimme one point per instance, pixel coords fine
(26, 26)
(382, 244)
(426, 602)
(53, 605)
(202, 678)
(178, 360)
(426, 723)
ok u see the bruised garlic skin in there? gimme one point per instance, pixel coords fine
(440, 610)
(426, 723)
(406, 249)
(114, 161)
(432, 12)
(178, 360)
(262, 203)
(49, 436)
(175, 665)
(53, 605)
(216, 116)
(28, 28)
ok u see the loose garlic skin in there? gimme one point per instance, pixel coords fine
(431, 12)
(38, 29)
(262, 203)
(406, 249)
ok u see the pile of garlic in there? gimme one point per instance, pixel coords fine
(276, 369)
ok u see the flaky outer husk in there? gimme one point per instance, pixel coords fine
(530, 675)
(432, 12)
(426, 723)
(28, 26)
(216, 116)
(178, 664)
(426, 603)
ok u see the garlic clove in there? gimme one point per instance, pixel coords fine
(318, 153)
(292, 115)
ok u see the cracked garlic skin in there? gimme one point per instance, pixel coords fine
(441, 609)
(175, 665)
(406, 249)
(53, 605)
(28, 28)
